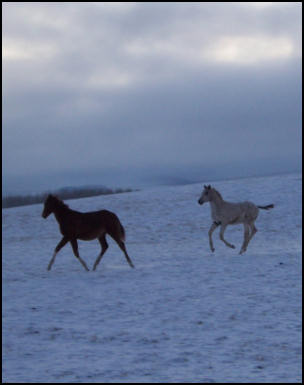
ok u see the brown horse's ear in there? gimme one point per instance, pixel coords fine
(205, 186)
(209, 187)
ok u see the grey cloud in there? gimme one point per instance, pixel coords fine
(127, 88)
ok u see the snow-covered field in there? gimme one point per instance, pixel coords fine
(182, 315)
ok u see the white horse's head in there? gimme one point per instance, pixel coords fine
(205, 197)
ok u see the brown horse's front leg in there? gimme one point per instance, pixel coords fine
(60, 245)
(75, 249)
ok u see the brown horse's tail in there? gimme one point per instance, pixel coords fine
(122, 232)
(114, 227)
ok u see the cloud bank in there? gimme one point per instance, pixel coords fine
(132, 90)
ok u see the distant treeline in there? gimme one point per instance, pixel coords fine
(63, 193)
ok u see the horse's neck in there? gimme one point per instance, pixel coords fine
(216, 203)
(217, 199)
(61, 212)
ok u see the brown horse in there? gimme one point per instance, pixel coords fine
(85, 226)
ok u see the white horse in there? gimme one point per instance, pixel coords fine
(226, 213)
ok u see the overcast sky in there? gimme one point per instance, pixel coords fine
(130, 93)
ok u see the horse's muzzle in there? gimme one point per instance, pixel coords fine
(200, 202)
(45, 214)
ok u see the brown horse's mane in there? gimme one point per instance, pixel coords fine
(59, 201)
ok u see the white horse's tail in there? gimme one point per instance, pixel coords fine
(266, 207)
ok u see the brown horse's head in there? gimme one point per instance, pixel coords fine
(49, 206)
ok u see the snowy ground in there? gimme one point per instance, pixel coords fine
(182, 315)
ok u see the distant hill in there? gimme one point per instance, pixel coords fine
(68, 192)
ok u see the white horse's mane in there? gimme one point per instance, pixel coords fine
(220, 196)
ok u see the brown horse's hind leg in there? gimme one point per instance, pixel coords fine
(60, 245)
(123, 248)
(104, 246)
(75, 249)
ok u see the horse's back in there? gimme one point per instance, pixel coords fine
(235, 213)
(99, 214)
(94, 224)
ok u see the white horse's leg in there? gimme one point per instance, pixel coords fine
(253, 231)
(223, 228)
(212, 228)
(246, 238)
